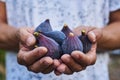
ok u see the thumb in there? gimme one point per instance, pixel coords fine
(30, 40)
(95, 35)
(92, 36)
(26, 36)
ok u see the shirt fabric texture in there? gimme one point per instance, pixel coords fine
(72, 12)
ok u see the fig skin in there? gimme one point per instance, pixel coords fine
(58, 36)
(54, 50)
(71, 43)
(87, 44)
(44, 26)
(66, 30)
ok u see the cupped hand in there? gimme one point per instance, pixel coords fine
(34, 59)
(78, 60)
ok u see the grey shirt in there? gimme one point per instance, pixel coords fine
(72, 12)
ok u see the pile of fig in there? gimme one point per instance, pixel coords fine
(60, 42)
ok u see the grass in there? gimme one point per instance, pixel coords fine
(2, 65)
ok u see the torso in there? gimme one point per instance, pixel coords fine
(72, 12)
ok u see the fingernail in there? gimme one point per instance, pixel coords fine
(76, 54)
(44, 49)
(93, 36)
(65, 57)
(29, 41)
(46, 63)
(67, 60)
(61, 70)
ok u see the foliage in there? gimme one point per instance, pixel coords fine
(2, 65)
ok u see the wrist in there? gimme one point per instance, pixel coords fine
(8, 39)
(14, 39)
(103, 41)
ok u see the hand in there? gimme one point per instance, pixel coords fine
(33, 59)
(78, 60)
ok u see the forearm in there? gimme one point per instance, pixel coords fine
(8, 38)
(111, 37)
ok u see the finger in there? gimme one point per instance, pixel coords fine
(56, 63)
(26, 37)
(95, 34)
(48, 70)
(92, 54)
(64, 69)
(52, 67)
(57, 72)
(85, 59)
(29, 57)
(41, 65)
(71, 63)
(92, 36)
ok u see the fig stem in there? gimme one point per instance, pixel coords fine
(83, 32)
(71, 34)
(35, 46)
(47, 20)
(36, 34)
(65, 25)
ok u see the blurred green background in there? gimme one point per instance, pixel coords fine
(114, 66)
(2, 65)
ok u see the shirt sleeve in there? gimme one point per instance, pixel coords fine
(2, 0)
(114, 5)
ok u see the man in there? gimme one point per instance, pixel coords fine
(31, 13)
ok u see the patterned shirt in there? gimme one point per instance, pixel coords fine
(72, 12)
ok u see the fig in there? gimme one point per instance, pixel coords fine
(44, 26)
(66, 30)
(54, 50)
(58, 36)
(71, 43)
(87, 44)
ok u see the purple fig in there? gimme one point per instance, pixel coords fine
(44, 26)
(58, 36)
(87, 44)
(66, 30)
(71, 43)
(54, 50)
